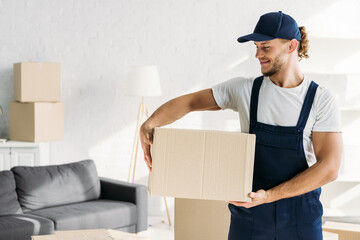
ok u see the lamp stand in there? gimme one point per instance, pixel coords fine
(142, 108)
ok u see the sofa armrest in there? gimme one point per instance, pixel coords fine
(128, 192)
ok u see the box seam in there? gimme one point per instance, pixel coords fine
(203, 168)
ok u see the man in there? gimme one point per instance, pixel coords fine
(298, 137)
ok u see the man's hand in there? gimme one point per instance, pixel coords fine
(146, 139)
(258, 198)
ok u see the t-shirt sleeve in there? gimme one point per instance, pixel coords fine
(226, 94)
(327, 113)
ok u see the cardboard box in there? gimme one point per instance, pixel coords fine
(98, 234)
(202, 164)
(35, 122)
(346, 231)
(201, 219)
(36, 82)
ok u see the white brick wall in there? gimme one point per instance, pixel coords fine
(192, 42)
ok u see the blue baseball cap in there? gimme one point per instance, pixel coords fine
(273, 25)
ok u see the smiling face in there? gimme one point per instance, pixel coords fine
(272, 55)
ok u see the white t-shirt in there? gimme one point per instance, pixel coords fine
(281, 107)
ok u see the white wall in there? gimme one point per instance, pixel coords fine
(192, 42)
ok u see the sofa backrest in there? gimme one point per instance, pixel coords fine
(54, 185)
(8, 198)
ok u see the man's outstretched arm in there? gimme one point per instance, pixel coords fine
(172, 111)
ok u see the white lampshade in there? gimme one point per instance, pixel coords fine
(143, 81)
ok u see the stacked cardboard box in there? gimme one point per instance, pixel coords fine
(201, 219)
(37, 113)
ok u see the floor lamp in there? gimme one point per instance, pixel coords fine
(142, 81)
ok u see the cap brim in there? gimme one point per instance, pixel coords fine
(255, 37)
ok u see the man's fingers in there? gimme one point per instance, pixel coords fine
(147, 156)
(146, 138)
(241, 204)
(257, 199)
(147, 163)
(151, 139)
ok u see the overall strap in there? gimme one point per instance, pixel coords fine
(305, 110)
(254, 99)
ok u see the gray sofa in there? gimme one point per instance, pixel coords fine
(40, 200)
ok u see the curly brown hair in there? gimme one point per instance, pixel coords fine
(303, 45)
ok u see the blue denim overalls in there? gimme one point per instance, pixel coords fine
(279, 156)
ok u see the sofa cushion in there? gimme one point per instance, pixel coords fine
(8, 198)
(23, 226)
(92, 214)
(47, 186)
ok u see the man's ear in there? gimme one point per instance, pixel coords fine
(293, 45)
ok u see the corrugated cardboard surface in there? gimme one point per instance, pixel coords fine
(35, 122)
(346, 231)
(202, 164)
(36, 82)
(201, 219)
(91, 234)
